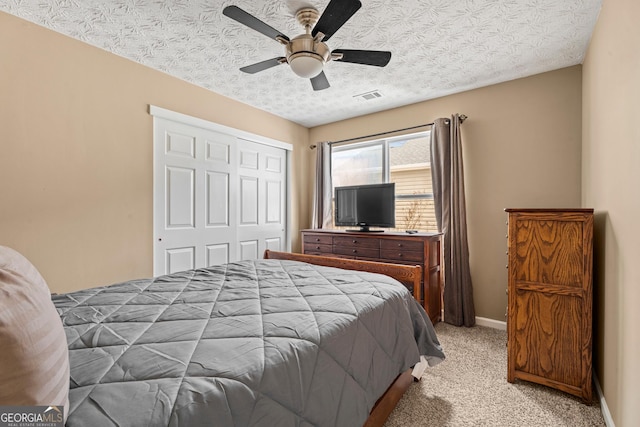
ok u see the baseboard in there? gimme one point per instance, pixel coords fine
(608, 420)
(495, 324)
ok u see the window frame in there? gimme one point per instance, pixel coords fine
(385, 144)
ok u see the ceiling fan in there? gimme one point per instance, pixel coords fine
(307, 53)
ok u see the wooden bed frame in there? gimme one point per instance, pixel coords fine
(403, 273)
(409, 274)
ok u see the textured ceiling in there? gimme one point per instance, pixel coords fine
(439, 47)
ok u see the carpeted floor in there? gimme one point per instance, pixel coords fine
(470, 388)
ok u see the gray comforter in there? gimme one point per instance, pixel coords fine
(253, 343)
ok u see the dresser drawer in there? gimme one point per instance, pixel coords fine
(401, 245)
(318, 239)
(357, 251)
(400, 254)
(355, 242)
(317, 248)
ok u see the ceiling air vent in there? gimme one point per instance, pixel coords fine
(368, 96)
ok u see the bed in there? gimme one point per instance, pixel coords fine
(289, 340)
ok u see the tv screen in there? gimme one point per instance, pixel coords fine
(366, 206)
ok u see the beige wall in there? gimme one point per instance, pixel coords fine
(611, 173)
(521, 149)
(76, 154)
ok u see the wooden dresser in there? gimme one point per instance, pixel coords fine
(398, 248)
(550, 298)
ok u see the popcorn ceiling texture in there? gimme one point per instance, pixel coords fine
(438, 47)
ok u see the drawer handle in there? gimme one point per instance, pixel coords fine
(399, 245)
(355, 241)
(399, 255)
(355, 251)
(317, 240)
(317, 247)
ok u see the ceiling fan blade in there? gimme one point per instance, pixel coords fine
(320, 82)
(261, 66)
(334, 16)
(235, 13)
(378, 58)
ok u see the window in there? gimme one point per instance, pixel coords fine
(404, 160)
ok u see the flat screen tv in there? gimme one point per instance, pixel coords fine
(366, 206)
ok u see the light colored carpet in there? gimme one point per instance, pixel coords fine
(470, 388)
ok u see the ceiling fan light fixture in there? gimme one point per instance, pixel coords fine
(306, 64)
(307, 56)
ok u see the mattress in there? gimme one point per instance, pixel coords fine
(252, 343)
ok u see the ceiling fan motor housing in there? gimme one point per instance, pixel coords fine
(305, 53)
(306, 45)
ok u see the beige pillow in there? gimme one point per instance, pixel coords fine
(34, 359)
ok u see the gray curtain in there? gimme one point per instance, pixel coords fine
(451, 215)
(321, 215)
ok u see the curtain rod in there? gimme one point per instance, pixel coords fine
(462, 119)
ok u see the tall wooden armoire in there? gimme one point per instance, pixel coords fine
(549, 322)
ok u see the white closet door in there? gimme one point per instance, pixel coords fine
(262, 211)
(217, 198)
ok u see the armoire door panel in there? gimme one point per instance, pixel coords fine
(550, 252)
(547, 335)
